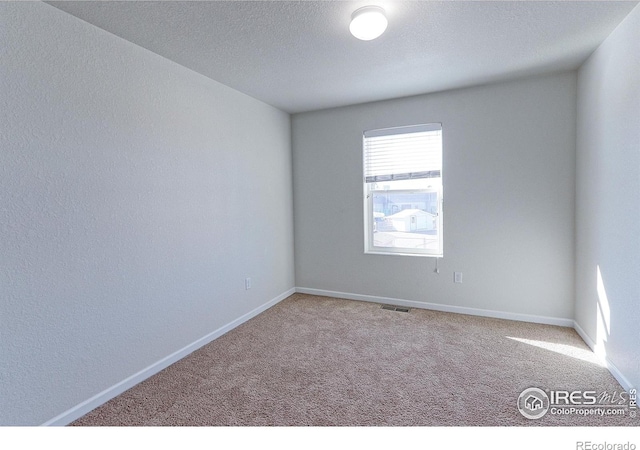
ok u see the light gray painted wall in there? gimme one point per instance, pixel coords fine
(509, 160)
(135, 196)
(608, 197)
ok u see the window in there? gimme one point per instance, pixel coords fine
(403, 190)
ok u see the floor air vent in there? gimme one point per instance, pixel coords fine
(395, 308)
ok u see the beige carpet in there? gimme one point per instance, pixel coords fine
(330, 362)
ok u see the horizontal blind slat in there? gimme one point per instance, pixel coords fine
(403, 153)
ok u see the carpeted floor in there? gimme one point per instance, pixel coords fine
(323, 361)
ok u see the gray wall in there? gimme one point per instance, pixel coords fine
(608, 198)
(509, 159)
(135, 196)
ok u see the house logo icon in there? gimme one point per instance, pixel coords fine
(533, 403)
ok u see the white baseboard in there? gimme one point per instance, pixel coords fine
(88, 405)
(624, 382)
(445, 308)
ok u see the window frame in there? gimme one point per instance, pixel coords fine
(370, 189)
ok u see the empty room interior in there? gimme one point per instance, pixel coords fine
(192, 231)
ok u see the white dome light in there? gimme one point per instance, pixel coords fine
(368, 22)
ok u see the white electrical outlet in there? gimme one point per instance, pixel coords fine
(247, 283)
(457, 277)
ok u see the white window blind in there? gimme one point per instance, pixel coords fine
(403, 153)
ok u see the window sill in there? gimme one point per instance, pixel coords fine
(422, 255)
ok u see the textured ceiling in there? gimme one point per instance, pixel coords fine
(299, 56)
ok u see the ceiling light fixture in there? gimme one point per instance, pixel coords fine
(368, 22)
